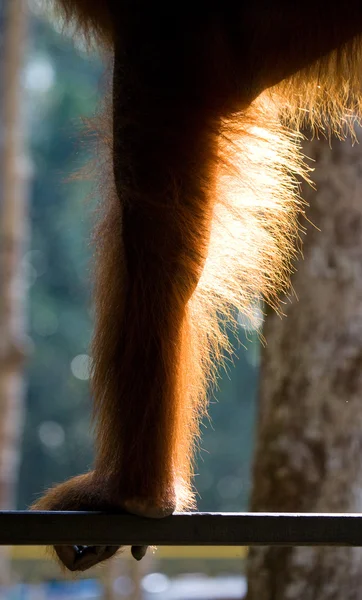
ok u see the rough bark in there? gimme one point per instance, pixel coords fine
(309, 441)
(14, 171)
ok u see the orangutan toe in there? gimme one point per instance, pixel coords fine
(81, 558)
(138, 552)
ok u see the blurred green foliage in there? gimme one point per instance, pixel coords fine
(62, 85)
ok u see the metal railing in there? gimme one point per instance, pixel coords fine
(181, 529)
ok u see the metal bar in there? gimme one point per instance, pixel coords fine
(181, 529)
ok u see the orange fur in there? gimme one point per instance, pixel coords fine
(200, 220)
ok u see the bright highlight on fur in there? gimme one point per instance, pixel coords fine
(200, 222)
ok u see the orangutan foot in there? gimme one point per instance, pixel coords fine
(86, 492)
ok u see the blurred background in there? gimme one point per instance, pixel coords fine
(48, 87)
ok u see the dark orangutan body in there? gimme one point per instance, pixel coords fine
(200, 217)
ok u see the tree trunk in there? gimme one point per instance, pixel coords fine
(13, 237)
(309, 443)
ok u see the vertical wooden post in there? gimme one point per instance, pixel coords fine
(14, 176)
